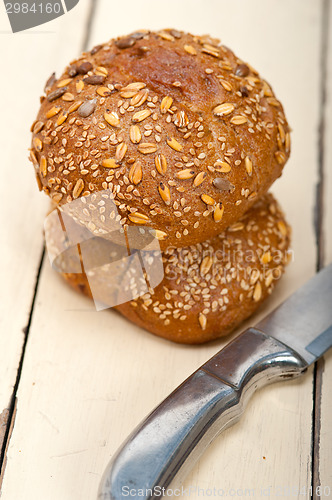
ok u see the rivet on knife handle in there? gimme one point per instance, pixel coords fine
(164, 447)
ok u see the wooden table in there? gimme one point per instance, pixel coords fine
(74, 382)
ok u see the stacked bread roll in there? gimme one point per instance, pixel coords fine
(182, 137)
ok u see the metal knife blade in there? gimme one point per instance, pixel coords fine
(165, 446)
(304, 320)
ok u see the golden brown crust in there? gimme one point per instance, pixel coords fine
(210, 288)
(182, 132)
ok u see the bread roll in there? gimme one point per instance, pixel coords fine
(209, 288)
(174, 132)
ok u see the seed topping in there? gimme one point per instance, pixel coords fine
(207, 199)
(166, 103)
(224, 109)
(135, 134)
(190, 49)
(78, 188)
(202, 320)
(138, 218)
(87, 108)
(139, 116)
(164, 193)
(218, 212)
(84, 68)
(174, 144)
(135, 173)
(52, 96)
(161, 164)
(222, 166)
(187, 173)
(199, 179)
(223, 184)
(94, 79)
(147, 148)
(112, 119)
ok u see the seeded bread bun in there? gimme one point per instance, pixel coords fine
(179, 131)
(209, 288)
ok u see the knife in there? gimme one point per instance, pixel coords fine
(165, 446)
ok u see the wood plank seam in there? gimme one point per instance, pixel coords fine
(12, 404)
(9, 413)
(319, 229)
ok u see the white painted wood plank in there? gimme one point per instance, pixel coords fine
(325, 451)
(27, 60)
(90, 377)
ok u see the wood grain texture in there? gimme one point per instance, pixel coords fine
(88, 378)
(27, 61)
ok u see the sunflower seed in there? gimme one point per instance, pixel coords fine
(94, 79)
(242, 70)
(96, 49)
(50, 82)
(87, 108)
(125, 43)
(223, 185)
(84, 68)
(52, 96)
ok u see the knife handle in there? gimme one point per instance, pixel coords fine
(165, 446)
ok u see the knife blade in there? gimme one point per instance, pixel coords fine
(165, 446)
